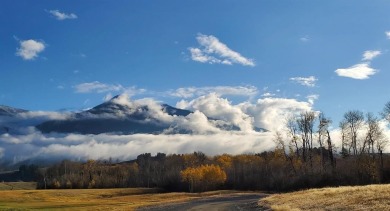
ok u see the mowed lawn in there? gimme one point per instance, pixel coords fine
(370, 197)
(92, 199)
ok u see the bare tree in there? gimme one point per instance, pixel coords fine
(381, 143)
(344, 143)
(386, 111)
(323, 133)
(374, 134)
(350, 126)
(292, 128)
(305, 123)
(278, 139)
(330, 151)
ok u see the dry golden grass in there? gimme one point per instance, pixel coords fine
(92, 199)
(371, 197)
(18, 185)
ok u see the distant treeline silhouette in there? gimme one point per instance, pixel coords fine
(271, 171)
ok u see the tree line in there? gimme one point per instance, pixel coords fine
(305, 156)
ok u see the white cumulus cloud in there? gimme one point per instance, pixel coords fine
(271, 113)
(268, 113)
(199, 56)
(267, 94)
(358, 71)
(370, 55)
(61, 15)
(29, 49)
(219, 108)
(214, 51)
(305, 81)
(387, 34)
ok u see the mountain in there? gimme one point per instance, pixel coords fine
(7, 116)
(114, 116)
(9, 111)
(175, 111)
(118, 116)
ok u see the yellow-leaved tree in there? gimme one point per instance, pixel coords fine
(204, 177)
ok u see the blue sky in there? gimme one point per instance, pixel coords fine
(58, 55)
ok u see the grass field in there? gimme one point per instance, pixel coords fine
(371, 197)
(91, 199)
(18, 185)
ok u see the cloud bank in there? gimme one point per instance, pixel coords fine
(206, 136)
(125, 147)
(213, 51)
(268, 113)
(219, 108)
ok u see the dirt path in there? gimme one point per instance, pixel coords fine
(229, 202)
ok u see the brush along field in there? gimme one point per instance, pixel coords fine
(92, 199)
(18, 186)
(371, 197)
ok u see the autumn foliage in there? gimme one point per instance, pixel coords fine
(305, 156)
(272, 170)
(204, 177)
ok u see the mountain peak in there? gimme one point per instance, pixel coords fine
(10, 111)
(122, 99)
(116, 97)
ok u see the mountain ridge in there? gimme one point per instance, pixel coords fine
(121, 116)
(10, 111)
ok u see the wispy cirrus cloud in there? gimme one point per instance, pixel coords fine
(267, 94)
(98, 87)
(189, 92)
(370, 55)
(214, 51)
(305, 38)
(61, 15)
(312, 98)
(305, 81)
(29, 49)
(359, 71)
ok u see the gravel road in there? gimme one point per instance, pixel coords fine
(228, 202)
